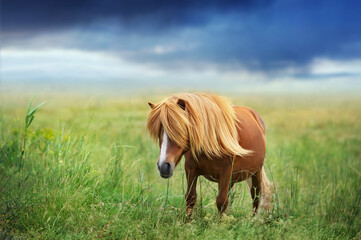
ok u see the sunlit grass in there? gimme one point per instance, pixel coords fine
(89, 171)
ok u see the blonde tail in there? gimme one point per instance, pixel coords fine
(266, 193)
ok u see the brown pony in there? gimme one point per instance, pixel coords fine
(224, 144)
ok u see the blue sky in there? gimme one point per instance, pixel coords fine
(280, 45)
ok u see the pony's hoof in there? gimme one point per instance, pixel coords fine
(189, 215)
(227, 218)
(227, 210)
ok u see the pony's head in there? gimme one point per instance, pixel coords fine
(167, 122)
(201, 123)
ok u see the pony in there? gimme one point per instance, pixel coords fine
(224, 143)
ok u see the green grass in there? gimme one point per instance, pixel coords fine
(89, 172)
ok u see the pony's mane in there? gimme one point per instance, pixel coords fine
(201, 123)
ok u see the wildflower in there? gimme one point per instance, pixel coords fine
(60, 161)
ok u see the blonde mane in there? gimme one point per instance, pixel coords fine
(201, 123)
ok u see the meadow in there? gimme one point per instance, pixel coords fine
(85, 168)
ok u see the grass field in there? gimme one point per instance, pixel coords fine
(89, 171)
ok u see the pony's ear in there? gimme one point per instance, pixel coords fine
(151, 105)
(182, 104)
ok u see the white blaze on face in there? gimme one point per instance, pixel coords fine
(163, 149)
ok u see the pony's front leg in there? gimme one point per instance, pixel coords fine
(223, 190)
(191, 194)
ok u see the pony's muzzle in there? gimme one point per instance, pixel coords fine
(165, 169)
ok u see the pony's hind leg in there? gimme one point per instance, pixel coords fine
(261, 191)
(254, 184)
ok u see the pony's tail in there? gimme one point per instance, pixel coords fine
(267, 187)
(266, 192)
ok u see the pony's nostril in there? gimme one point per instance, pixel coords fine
(165, 168)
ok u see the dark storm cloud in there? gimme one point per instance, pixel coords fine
(37, 15)
(291, 33)
(258, 35)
